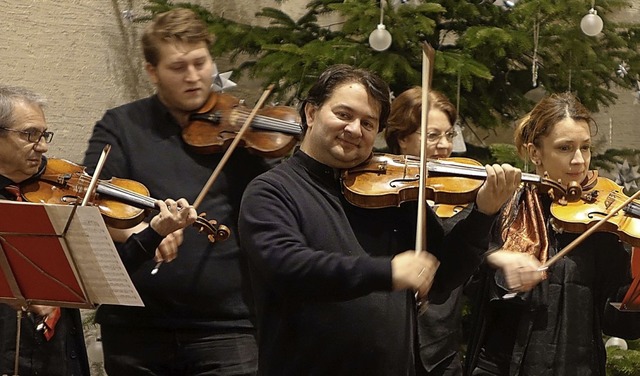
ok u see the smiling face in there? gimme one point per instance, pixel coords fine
(564, 153)
(341, 132)
(183, 77)
(20, 158)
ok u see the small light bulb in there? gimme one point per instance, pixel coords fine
(591, 24)
(380, 38)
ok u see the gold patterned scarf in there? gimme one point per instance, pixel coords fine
(522, 225)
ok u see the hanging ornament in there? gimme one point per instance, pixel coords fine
(616, 342)
(626, 175)
(128, 15)
(397, 3)
(623, 69)
(221, 81)
(380, 39)
(591, 24)
(534, 63)
(459, 145)
(505, 4)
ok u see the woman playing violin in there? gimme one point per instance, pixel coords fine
(532, 322)
(439, 328)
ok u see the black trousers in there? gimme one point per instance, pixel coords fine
(147, 351)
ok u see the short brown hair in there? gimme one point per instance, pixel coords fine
(545, 115)
(176, 25)
(406, 114)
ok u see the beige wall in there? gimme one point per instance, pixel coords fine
(82, 54)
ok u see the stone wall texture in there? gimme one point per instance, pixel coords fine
(83, 55)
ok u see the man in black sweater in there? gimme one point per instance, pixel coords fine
(196, 319)
(334, 283)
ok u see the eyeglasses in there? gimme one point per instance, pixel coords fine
(434, 137)
(34, 135)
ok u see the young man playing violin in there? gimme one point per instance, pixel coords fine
(56, 349)
(196, 319)
(335, 284)
(554, 325)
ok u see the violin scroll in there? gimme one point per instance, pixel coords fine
(214, 231)
(559, 193)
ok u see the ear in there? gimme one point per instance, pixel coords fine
(310, 113)
(152, 72)
(534, 153)
(402, 142)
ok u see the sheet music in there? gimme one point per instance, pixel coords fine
(95, 255)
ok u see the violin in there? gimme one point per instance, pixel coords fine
(387, 180)
(123, 203)
(447, 210)
(594, 205)
(273, 132)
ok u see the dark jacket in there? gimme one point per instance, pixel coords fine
(556, 329)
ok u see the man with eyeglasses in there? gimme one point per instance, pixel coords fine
(51, 339)
(61, 350)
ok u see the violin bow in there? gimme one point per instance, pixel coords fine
(232, 147)
(225, 157)
(96, 175)
(428, 57)
(91, 189)
(590, 231)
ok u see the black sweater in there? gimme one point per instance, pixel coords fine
(321, 272)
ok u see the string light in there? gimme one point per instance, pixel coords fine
(380, 38)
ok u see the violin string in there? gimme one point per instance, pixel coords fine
(149, 200)
(634, 206)
(273, 124)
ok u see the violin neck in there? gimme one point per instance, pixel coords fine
(276, 125)
(470, 171)
(530, 178)
(126, 196)
(260, 122)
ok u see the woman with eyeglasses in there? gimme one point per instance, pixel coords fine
(403, 128)
(439, 328)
